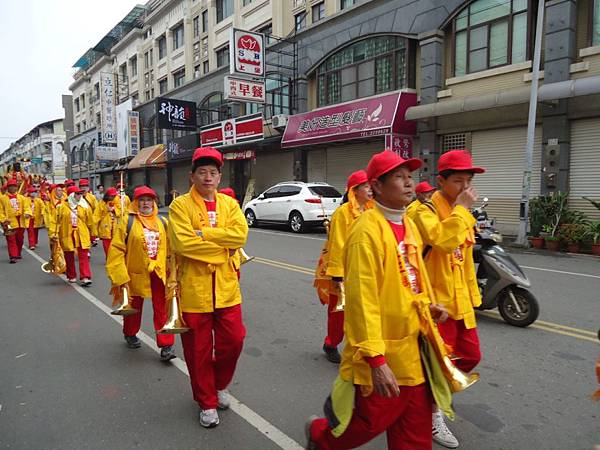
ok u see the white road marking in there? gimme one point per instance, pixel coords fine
(287, 235)
(21, 355)
(561, 271)
(256, 420)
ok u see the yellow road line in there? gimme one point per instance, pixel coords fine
(578, 333)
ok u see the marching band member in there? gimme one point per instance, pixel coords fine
(137, 258)
(14, 217)
(424, 193)
(205, 229)
(330, 270)
(88, 196)
(72, 229)
(37, 207)
(388, 302)
(448, 229)
(107, 216)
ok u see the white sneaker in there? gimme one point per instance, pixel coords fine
(72, 280)
(224, 399)
(440, 432)
(209, 418)
(86, 282)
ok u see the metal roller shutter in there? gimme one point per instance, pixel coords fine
(180, 178)
(502, 153)
(137, 179)
(584, 177)
(157, 179)
(343, 160)
(316, 162)
(272, 168)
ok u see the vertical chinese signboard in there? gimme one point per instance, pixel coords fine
(175, 114)
(133, 122)
(246, 53)
(108, 113)
(400, 144)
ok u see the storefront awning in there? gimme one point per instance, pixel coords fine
(362, 118)
(516, 96)
(153, 156)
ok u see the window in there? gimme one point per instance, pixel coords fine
(196, 25)
(224, 9)
(162, 47)
(289, 191)
(246, 2)
(272, 193)
(163, 85)
(78, 128)
(213, 109)
(84, 125)
(179, 78)
(97, 91)
(367, 67)
(76, 105)
(123, 73)
(197, 71)
(454, 141)
(133, 66)
(300, 20)
(98, 119)
(223, 57)
(325, 191)
(346, 3)
(205, 67)
(148, 33)
(490, 33)
(596, 23)
(277, 95)
(318, 12)
(135, 98)
(267, 31)
(82, 101)
(147, 95)
(146, 60)
(205, 47)
(177, 37)
(205, 21)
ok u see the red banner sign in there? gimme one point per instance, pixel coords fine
(238, 130)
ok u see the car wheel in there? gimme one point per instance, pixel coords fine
(296, 222)
(251, 218)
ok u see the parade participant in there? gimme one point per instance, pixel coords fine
(88, 196)
(424, 191)
(447, 227)
(72, 229)
(14, 217)
(387, 307)
(68, 183)
(228, 191)
(99, 192)
(137, 258)
(37, 207)
(330, 269)
(205, 229)
(106, 217)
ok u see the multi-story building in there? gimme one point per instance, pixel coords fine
(41, 151)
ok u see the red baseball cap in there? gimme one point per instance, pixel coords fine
(73, 190)
(84, 182)
(459, 160)
(208, 152)
(12, 182)
(69, 182)
(385, 161)
(31, 189)
(423, 187)
(143, 191)
(228, 191)
(112, 191)
(356, 178)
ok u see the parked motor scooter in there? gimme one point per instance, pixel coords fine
(501, 281)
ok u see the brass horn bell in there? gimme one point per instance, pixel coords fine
(125, 308)
(459, 381)
(244, 257)
(341, 303)
(175, 323)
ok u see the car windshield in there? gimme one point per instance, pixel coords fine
(324, 191)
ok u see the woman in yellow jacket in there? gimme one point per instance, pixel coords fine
(73, 221)
(37, 207)
(388, 305)
(14, 217)
(137, 258)
(330, 270)
(205, 230)
(106, 217)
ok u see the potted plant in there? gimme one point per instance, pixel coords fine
(573, 234)
(552, 241)
(537, 219)
(593, 232)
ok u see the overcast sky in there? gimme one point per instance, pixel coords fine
(39, 42)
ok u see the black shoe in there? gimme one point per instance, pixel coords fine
(133, 342)
(12, 261)
(167, 353)
(332, 354)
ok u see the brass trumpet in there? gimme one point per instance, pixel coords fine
(56, 264)
(341, 303)
(175, 323)
(8, 230)
(124, 308)
(244, 257)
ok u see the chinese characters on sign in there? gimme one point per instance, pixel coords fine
(245, 90)
(175, 114)
(350, 117)
(108, 113)
(242, 154)
(133, 119)
(247, 53)
(402, 145)
(233, 131)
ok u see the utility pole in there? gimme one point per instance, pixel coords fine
(526, 188)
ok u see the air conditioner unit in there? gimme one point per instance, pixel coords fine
(279, 121)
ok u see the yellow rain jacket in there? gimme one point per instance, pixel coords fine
(450, 233)
(72, 238)
(38, 211)
(7, 211)
(205, 264)
(382, 312)
(411, 210)
(105, 221)
(51, 213)
(128, 260)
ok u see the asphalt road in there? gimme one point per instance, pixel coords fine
(67, 380)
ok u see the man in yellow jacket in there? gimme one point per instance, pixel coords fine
(424, 192)
(447, 227)
(107, 216)
(14, 217)
(37, 208)
(330, 269)
(388, 303)
(205, 230)
(137, 258)
(90, 198)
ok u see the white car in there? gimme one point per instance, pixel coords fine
(296, 203)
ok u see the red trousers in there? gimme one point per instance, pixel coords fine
(212, 348)
(464, 342)
(132, 323)
(335, 323)
(83, 255)
(106, 246)
(32, 234)
(14, 243)
(405, 419)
